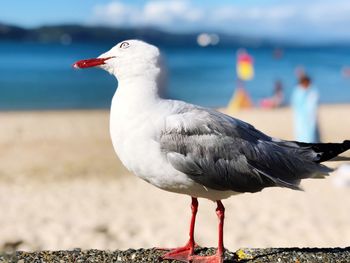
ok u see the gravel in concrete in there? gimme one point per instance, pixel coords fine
(245, 255)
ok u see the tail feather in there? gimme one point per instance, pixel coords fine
(325, 151)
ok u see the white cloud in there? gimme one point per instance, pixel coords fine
(154, 13)
(237, 14)
(170, 11)
(285, 19)
(115, 13)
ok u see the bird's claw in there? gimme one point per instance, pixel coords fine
(182, 253)
(206, 259)
(186, 254)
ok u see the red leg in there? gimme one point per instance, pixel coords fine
(220, 211)
(194, 208)
(219, 256)
(184, 253)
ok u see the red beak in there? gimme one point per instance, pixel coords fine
(92, 62)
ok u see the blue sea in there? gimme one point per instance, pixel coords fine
(40, 76)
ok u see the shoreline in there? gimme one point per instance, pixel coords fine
(220, 108)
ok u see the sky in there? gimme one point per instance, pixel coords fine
(312, 20)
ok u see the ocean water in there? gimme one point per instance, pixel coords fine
(40, 76)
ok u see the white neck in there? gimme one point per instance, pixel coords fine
(138, 92)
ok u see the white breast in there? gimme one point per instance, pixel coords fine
(135, 136)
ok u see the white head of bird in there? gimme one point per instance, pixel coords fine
(138, 67)
(126, 60)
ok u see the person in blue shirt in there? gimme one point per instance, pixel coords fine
(305, 108)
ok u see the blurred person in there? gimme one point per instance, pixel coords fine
(240, 100)
(278, 53)
(345, 71)
(277, 99)
(305, 107)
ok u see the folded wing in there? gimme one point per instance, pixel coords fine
(224, 153)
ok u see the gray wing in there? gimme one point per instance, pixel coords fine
(224, 153)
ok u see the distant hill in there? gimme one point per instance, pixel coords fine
(66, 34)
(78, 33)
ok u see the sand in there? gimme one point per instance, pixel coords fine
(62, 187)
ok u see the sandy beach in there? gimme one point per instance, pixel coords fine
(62, 187)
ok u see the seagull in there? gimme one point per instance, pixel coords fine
(192, 150)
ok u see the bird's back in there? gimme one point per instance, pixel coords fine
(224, 153)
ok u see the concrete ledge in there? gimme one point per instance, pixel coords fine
(295, 255)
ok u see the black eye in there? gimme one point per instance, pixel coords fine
(124, 45)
